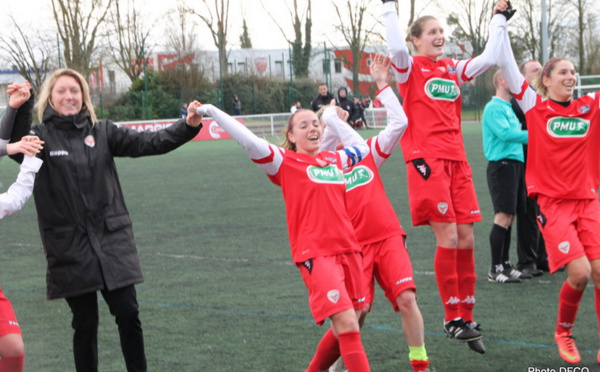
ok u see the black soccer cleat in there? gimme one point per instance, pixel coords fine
(461, 331)
(508, 13)
(386, 1)
(476, 345)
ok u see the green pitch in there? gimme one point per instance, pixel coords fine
(221, 294)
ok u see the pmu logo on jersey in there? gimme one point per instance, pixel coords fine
(564, 247)
(442, 89)
(333, 296)
(564, 127)
(328, 174)
(358, 176)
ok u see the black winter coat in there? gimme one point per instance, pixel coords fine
(83, 221)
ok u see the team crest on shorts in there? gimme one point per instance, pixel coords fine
(564, 247)
(90, 141)
(333, 296)
(443, 207)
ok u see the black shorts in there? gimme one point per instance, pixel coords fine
(506, 181)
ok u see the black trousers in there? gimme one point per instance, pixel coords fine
(530, 244)
(123, 306)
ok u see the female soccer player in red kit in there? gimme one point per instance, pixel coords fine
(322, 240)
(440, 185)
(563, 163)
(378, 230)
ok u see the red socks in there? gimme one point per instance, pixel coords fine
(352, 351)
(568, 304)
(419, 365)
(465, 269)
(12, 363)
(444, 264)
(328, 351)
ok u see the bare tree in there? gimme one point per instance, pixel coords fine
(586, 15)
(353, 29)
(470, 22)
(301, 49)
(217, 22)
(526, 28)
(30, 55)
(131, 38)
(181, 31)
(78, 24)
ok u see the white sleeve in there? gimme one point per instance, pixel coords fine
(389, 137)
(525, 97)
(399, 54)
(20, 191)
(330, 140)
(266, 155)
(471, 68)
(355, 147)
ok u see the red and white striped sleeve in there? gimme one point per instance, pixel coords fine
(268, 156)
(470, 68)
(399, 54)
(387, 140)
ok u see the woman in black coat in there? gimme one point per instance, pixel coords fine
(83, 221)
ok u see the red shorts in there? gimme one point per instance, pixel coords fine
(8, 320)
(571, 229)
(389, 263)
(334, 284)
(441, 191)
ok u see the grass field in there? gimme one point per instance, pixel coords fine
(221, 294)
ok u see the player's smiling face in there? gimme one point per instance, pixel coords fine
(306, 133)
(432, 40)
(562, 81)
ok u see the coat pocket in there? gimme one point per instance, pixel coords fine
(59, 245)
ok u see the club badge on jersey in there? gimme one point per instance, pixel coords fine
(89, 141)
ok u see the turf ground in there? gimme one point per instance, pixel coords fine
(220, 293)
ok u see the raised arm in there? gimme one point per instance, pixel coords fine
(399, 54)
(18, 95)
(19, 192)
(266, 155)
(387, 140)
(471, 68)
(525, 97)
(355, 147)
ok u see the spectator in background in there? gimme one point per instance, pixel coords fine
(236, 104)
(503, 141)
(345, 103)
(358, 119)
(323, 98)
(183, 111)
(533, 259)
(295, 107)
(366, 103)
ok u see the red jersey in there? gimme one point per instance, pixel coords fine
(563, 158)
(432, 102)
(431, 93)
(308, 181)
(372, 214)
